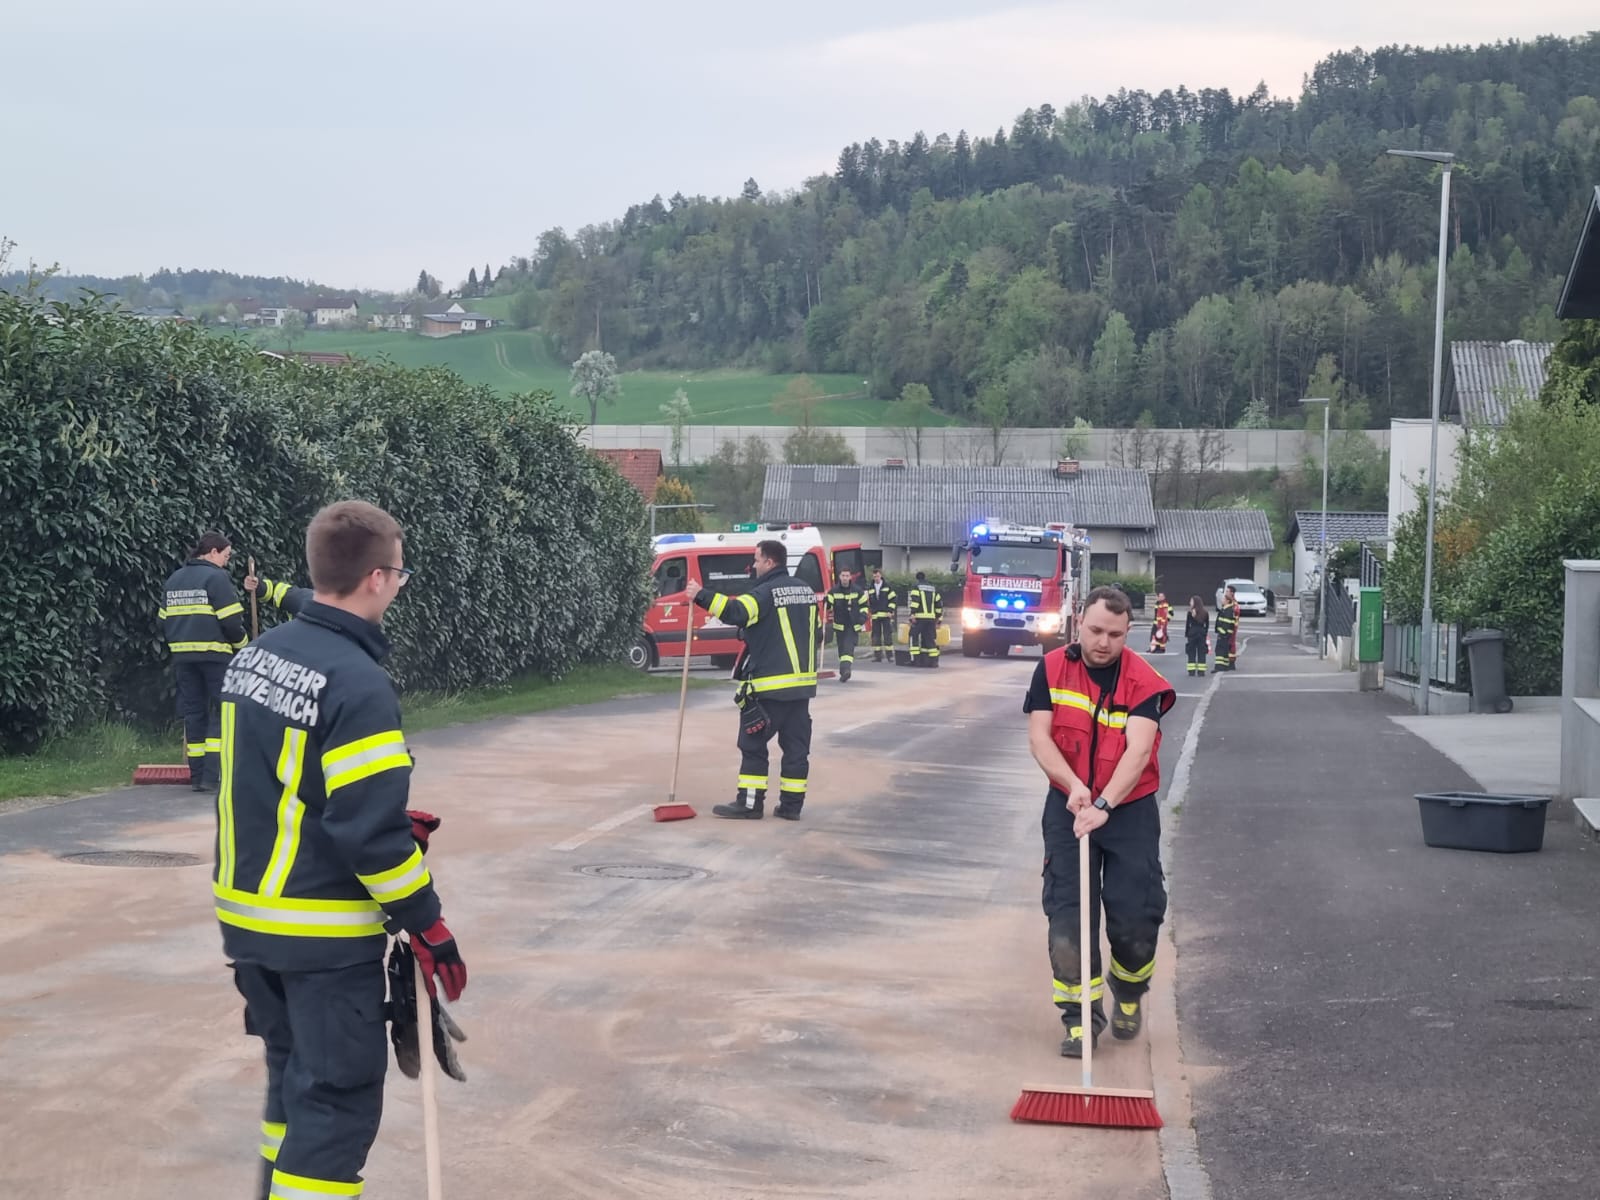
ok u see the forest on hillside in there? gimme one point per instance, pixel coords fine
(1193, 257)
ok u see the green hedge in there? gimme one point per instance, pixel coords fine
(120, 440)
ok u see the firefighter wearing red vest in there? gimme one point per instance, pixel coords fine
(1094, 727)
(1158, 631)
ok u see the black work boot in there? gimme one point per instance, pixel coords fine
(844, 670)
(1072, 1044)
(743, 808)
(197, 781)
(788, 809)
(1127, 1016)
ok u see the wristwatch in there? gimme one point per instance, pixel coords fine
(1101, 804)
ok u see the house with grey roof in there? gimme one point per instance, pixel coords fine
(1580, 294)
(1305, 536)
(1191, 551)
(915, 515)
(1486, 378)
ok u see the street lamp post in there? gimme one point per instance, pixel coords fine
(1429, 650)
(1322, 573)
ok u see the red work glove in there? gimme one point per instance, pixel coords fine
(435, 948)
(422, 824)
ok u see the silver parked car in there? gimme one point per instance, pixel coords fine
(1252, 600)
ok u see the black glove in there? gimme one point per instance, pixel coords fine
(403, 1020)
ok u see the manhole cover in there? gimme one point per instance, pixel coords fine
(133, 858)
(642, 871)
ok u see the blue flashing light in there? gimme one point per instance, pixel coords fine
(673, 539)
(979, 531)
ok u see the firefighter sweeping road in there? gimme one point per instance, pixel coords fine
(844, 1007)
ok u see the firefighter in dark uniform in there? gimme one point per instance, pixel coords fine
(318, 858)
(1227, 628)
(203, 623)
(848, 608)
(927, 610)
(882, 601)
(782, 632)
(1094, 727)
(281, 595)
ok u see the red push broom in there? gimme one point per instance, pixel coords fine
(1111, 1108)
(672, 810)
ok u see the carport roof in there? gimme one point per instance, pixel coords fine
(1205, 531)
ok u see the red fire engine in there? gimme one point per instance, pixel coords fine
(1024, 586)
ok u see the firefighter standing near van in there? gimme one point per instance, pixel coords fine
(1094, 726)
(202, 621)
(1227, 630)
(927, 610)
(318, 857)
(882, 600)
(847, 605)
(782, 631)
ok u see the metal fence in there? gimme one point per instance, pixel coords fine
(1404, 647)
(1341, 613)
(1371, 567)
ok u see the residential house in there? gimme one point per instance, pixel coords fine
(404, 317)
(1305, 536)
(642, 468)
(268, 318)
(1191, 551)
(1580, 295)
(454, 320)
(915, 516)
(331, 310)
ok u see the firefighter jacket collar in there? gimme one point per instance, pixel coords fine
(1090, 729)
(360, 631)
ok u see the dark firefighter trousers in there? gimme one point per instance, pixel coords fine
(790, 722)
(924, 641)
(882, 637)
(200, 709)
(847, 637)
(327, 1049)
(1196, 648)
(1125, 878)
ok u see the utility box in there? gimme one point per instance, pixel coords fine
(1369, 634)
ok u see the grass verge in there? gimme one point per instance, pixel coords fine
(104, 755)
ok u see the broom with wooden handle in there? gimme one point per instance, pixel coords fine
(672, 810)
(255, 616)
(430, 1106)
(1113, 1108)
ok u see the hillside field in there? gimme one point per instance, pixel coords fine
(514, 360)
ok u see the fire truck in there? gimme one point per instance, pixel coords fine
(721, 562)
(1025, 586)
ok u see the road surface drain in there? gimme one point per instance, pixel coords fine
(133, 858)
(643, 871)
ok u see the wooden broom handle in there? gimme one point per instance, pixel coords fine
(683, 701)
(430, 1107)
(1084, 957)
(255, 617)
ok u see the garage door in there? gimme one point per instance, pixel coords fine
(1183, 575)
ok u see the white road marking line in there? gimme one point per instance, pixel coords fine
(606, 826)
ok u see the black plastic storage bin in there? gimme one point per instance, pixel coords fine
(1504, 824)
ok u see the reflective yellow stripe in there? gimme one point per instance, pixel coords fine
(751, 608)
(718, 603)
(1062, 698)
(399, 882)
(300, 1187)
(196, 749)
(788, 639)
(1127, 976)
(272, 1139)
(276, 592)
(214, 745)
(752, 781)
(229, 610)
(199, 647)
(364, 758)
(772, 683)
(297, 918)
(791, 785)
(291, 765)
(1071, 993)
(190, 610)
(225, 844)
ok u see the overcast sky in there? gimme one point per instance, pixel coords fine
(356, 141)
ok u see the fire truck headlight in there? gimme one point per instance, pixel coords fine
(1050, 623)
(971, 618)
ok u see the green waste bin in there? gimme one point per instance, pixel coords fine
(1369, 635)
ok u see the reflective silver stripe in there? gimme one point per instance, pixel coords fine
(300, 916)
(331, 773)
(400, 888)
(284, 1191)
